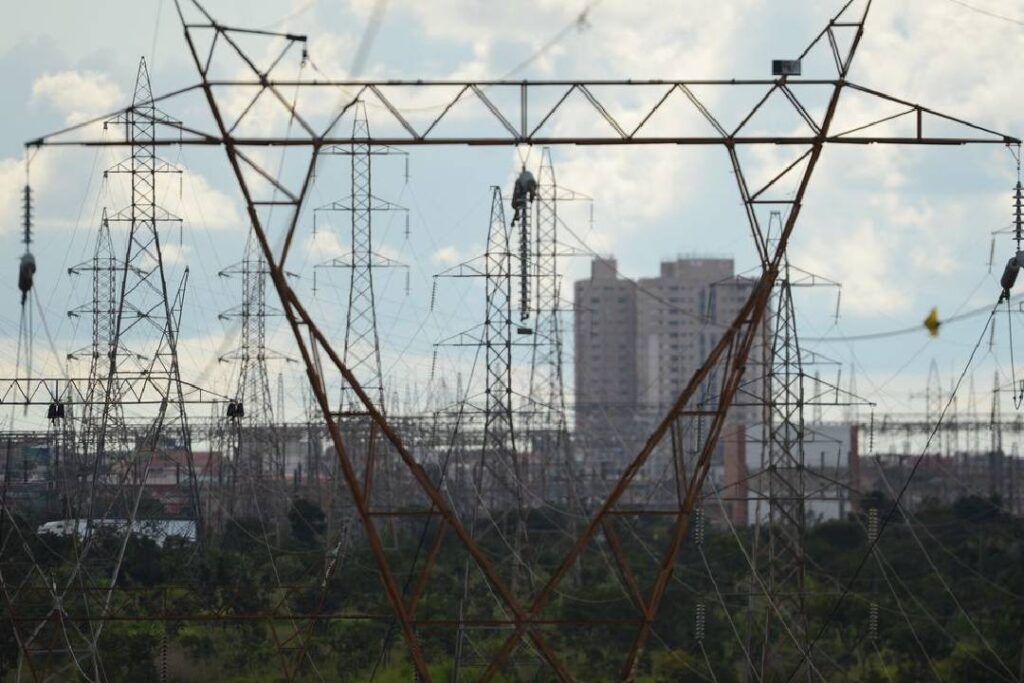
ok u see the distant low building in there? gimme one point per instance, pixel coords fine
(940, 478)
(754, 472)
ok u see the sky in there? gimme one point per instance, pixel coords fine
(901, 229)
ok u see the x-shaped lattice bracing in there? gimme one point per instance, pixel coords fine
(525, 113)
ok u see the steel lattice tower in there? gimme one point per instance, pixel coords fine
(548, 428)
(785, 481)
(146, 308)
(253, 389)
(258, 447)
(101, 420)
(145, 340)
(499, 434)
(783, 469)
(786, 445)
(134, 330)
(102, 309)
(134, 317)
(497, 480)
(498, 466)
(361, 352)
(362, 345)
(546, 383)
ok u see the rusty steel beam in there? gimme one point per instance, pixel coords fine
(299, 318)
(319, 391)
(628, 577)
(428, 564)
(732, 348)
(750, 317)
(580, 141)
(732, 382)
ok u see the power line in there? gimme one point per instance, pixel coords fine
(945, 585)
(987, 13)
(369, 35)
(903, 330)
(292, 15)
(579, 23)
(896, 503)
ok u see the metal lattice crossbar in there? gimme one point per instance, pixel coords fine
(524, 113)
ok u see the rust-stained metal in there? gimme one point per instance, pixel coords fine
(526, 126)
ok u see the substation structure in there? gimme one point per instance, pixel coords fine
(469, 480)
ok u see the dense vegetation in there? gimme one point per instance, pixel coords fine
(923, 632)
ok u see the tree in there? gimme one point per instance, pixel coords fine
(307, 521)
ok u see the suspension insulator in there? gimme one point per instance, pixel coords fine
(1009, 276)
(26, 275)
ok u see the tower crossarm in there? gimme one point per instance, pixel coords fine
(139, 389)
(531, 113)
(539, 104)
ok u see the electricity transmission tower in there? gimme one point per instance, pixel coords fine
(497, 480)
(546, 383)
(145, 340)
(147, 310)
(102, 308)
(133, 360)
(361, 352)
(546, 421)
(499, 434)
(498, 467)
(258, 444)
(524, 114)
(252, 354)
(785, 471)
(134, 315)
(497, 473)
(787, 480)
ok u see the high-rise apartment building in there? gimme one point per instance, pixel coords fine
(638, 343)
(605, 347)
(681, 315)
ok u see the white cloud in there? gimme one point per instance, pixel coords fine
(447, 256)
(79, 95)
(325, 244)
(948, 58)
(206, 206)
(642, 186)
(877, 220)
(860, 259)
(174, 253)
